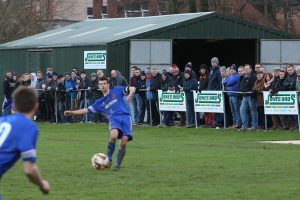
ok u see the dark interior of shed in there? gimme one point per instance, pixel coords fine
(235, 51)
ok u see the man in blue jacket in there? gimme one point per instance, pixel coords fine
(232, 84)
(215, 83)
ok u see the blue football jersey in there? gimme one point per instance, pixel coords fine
(18, 136)
(112, 104)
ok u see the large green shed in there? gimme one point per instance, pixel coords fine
(143, 41)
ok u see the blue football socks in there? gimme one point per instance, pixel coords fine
(120, 156)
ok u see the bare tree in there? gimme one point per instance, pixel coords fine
(27, 17)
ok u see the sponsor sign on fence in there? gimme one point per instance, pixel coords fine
(171, 101)
(94, 59)
(209, 101)
(282, 103)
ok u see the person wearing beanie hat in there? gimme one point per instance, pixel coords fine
(54, 76)
(189, 66)
(233, 67)
(143, 73)
(49, 75)
(231, 83)
(93, 74)
(189, 84)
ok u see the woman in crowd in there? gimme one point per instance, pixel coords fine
(189, 84)
(207, 118)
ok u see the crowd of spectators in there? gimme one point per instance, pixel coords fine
(242, 86)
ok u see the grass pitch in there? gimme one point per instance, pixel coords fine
(162, 163)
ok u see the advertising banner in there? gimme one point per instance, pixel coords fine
(94, 59)
(209, 101)
(282, 103)
(171, 101)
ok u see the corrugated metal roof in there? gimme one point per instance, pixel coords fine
(99, 31)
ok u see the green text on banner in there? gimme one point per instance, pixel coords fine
(281, 103)
(171, 101)
(209, 101)
(94, 59)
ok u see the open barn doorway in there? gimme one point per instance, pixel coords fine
(235, 51)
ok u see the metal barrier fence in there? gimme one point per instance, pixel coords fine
(286, 101)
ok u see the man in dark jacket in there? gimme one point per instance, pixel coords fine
(85, 98)
(135, 103)
(215, 83)
(116, 79)
(249, 101)
(9, 85)
(49, 98)
(40, 86)
(95, 94)
(155, 84)
(176, 82)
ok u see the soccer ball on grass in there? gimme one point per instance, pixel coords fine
(99, 161)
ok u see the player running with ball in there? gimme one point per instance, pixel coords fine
(113, 106)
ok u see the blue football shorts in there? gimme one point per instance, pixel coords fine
(123, 123)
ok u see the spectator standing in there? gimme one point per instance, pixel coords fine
(249, 101)
(205, 118)
(141, 90)
(168, 115)
(155, 84)
(33, 80)
(26, 80)
(281, 84)
(276, 122)
(100, 73)
(258, 89)
(189, 84)
(232, 84)
(257, 68)
(9, 85)
(116, 79)
(135, 102)
(49, 98)
(70, 86)
(95, 94)
(40, 86)
(189, 67)
(61, 98)
(176, 81)
(291, 80)
(85, 99)
(215, 83)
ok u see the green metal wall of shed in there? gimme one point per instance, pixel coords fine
(207, 27)
(64, 59)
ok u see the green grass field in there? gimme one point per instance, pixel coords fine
(162, 163)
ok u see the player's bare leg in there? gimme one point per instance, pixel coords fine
(121, 152)
(111, 145)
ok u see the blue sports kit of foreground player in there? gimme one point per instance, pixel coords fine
(18, 137)
(113, 106)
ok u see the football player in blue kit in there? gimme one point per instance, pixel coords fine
(18, 137)
(115, 108)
